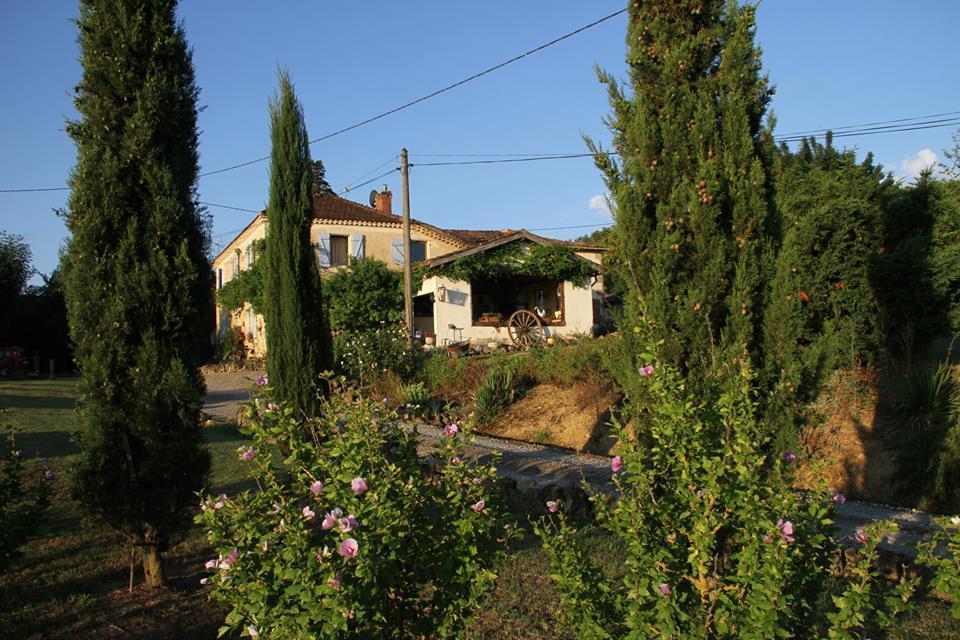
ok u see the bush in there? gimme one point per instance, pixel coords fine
(717, 544)
(941, 554)
(364, 296)
(229, 345)
(22, 499)
(453, 379)
(494, 395)
(364, 355)
(566, 364)
(351, 535)
(416, 398)
(928, 457)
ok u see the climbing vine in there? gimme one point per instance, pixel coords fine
(549, 262)
(246, 286)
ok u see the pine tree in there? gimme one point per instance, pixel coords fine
(824, 314)
(691, 186)
(298, 335)
(137, 281)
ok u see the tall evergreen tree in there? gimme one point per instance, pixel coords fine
(691, 188)
(823, 314)
(298, 335)
(137, 281)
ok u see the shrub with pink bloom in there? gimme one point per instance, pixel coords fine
(717, 542)
(24, 498)
(389, 525)
(616, 464)
(349, 548)
(786, 530)
(358, 485)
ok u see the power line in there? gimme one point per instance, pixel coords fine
(934, 124)
(348, 187)
(434, 93)
(576, 226)
(869, 124)
(357, 186)
(565, 156)
(229, 232)
(224, 206)
(34, 190)
(917, 124)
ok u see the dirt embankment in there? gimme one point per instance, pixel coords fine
(574, 416)
(849, 450)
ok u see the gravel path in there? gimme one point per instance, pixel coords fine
(226, 391)
(535, 467)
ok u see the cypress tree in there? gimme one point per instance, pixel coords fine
(137, 281)
(691, 186)
(823, 314)
(298, 335)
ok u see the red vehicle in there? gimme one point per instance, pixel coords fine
(13, 362)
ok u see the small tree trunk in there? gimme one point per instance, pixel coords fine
(132, 556)
(152, 565)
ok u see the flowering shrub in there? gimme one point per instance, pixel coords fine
(867, 599)
(21, 500)
(717, 544)
(352, 535)
(941, 554)
(362, 356)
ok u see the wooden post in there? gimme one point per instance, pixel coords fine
(407, 263)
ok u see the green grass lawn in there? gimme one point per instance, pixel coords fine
(71, 581)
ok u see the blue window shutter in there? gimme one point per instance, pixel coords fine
(324, 250)
(358, 246)
(396, 251)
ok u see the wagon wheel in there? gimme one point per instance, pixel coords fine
(524, 328)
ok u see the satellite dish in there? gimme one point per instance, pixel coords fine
(373, 198)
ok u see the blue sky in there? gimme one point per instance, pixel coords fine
(833, 63)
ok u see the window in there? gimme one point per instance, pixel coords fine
(219, 278)
(338, 251)
(418, 250)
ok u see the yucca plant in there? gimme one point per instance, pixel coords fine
(493, 395)
(928, 425)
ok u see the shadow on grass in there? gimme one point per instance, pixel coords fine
(46, 444)
(223, 432)
(17, 401)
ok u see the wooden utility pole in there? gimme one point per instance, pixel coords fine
(407, 264)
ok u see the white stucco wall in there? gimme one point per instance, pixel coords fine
(457, 310)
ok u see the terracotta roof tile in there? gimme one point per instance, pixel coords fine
(333, 207)
(330, 206)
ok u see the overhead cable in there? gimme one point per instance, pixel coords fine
(434, 93)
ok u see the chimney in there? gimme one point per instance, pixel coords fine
(384, 200)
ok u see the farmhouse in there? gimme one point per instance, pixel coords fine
(452, 305)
